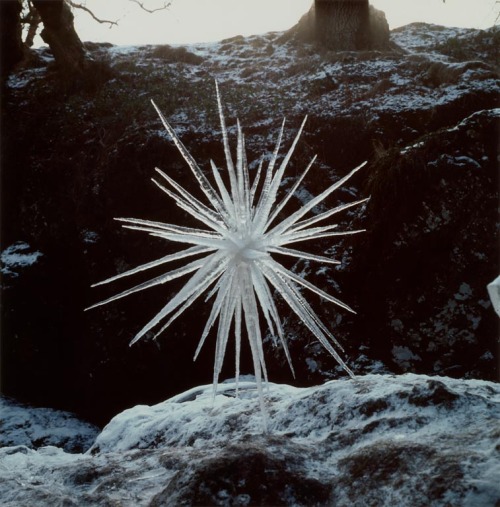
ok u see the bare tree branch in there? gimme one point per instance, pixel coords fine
(166, 5)
(87, 10)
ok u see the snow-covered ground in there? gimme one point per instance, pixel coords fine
(31, 427)
(308, 81)
(405, 440)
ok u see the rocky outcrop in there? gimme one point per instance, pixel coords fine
(36, 427)
(376, 440)
(433, 223)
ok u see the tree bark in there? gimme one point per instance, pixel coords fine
(343, 24)
(33, 20)
(59, 33)
(11, 42)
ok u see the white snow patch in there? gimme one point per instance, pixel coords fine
(494, 293)
(406, 149)
(403, 356)
(17, 256)
(463, 161)
(20, 80)
(89, 237)
(311, 364)
(464, 292)
(397, 325)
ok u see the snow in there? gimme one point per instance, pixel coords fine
(403, 356)
(89, 237)
(494, 293)
(408, 440)
(24, 78)
(405, 150)
(28, 427)
(464, 292)
(311, 364)
(425, 36)
(124, 50)
(16, 257)
(320, 85)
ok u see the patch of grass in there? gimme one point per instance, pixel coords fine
(455, 48)
(379, 88)
(169, 54)
(302, 67)
(484, 45)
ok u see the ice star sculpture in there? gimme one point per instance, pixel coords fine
(240, 235)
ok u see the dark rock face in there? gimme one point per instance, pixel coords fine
(11, 43)
(423, 119)
(248, 474)
(420, 273)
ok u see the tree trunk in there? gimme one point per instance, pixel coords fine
(11, 42)
(343, 24)
(59, 33)
(33, 20)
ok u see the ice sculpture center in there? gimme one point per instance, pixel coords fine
(246, 248)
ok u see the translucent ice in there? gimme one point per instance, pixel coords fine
(240, 234)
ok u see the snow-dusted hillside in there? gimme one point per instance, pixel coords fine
(380, 440)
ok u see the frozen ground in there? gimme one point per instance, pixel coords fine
(430, 71)
(32, 427)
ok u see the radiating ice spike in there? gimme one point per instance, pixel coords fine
(237, 239)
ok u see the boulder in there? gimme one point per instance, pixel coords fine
(408, 440)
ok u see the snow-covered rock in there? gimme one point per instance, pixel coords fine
(21, 425)
(376, 440)
(494, 292)
(421, 269)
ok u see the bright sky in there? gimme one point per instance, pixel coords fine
(208, 20)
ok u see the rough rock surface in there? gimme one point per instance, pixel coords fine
(21, 425)
(404, 440)
(434, 217)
